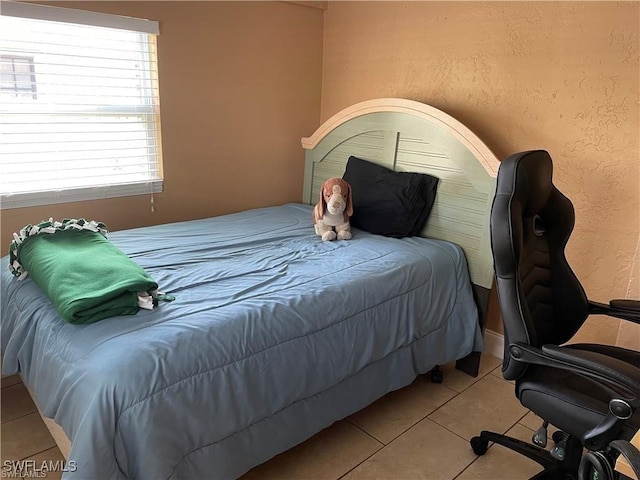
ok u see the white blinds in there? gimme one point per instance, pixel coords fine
(79, 107)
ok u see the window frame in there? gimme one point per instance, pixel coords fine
(25, 59)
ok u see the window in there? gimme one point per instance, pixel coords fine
(17, 76)
(79, 107)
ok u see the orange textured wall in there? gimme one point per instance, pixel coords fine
(562, 76)
(240, 84)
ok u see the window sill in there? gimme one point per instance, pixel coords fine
(51, 197)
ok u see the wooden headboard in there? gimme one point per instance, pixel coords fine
(409, 136)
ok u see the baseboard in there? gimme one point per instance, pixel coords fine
(494, 343)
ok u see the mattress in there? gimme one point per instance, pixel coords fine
(273, 335)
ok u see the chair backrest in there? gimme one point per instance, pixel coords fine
(541, 299)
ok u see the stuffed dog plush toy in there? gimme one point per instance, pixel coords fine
(334, 210)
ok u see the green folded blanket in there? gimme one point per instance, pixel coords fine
(84, 275)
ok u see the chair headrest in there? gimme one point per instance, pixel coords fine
(529, 176)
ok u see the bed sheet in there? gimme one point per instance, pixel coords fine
(268, 319)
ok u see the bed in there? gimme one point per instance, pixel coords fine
(273, 334)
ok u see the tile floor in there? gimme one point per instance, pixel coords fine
(419, 432)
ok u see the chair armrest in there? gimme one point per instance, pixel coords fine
(599, 366)
(619, 308)
(604, 370)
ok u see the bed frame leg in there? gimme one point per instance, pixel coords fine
(470, 364)
(435, 375)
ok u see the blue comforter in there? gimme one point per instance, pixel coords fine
(268, 321)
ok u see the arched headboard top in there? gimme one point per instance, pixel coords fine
(417, 109)
(405, 135)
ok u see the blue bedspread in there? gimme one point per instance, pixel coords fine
(268, 322)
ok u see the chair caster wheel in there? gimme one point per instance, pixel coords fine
(436, 375)
(479, 445)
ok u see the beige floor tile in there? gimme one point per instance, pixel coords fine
(398, 411)
(426, 451)
(10, 380)
(531, 421)
(328, 455)
(25, 436)
(500, 463)
(488, 404)
(460, 381)
(498, 371)
(15, 402)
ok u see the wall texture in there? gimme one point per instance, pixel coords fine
(240, 84)
(561, 76)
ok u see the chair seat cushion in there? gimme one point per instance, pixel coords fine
(571, 402)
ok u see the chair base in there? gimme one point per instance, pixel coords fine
(553, 469)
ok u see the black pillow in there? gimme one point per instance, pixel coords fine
(394, 204)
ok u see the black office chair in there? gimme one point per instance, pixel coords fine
(590, 392)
